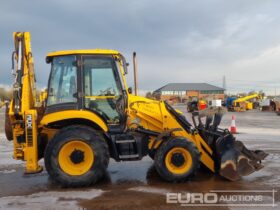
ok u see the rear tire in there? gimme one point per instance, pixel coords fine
(77, 156)
(177, 160)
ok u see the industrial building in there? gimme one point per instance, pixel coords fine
(186, 91)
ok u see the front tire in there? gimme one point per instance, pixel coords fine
(77, 156)
(177, 160)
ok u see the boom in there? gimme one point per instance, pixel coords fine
(246, 98)
(22, 112)
(24, 97)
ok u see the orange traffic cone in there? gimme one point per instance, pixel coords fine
(233, 126)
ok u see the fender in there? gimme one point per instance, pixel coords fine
(72, 114)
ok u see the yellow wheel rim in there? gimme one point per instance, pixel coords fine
(76, 158)
(178, 160)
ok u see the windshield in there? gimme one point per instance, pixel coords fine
(63, 80)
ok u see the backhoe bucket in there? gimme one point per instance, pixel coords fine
(238, 161)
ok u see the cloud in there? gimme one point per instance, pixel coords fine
(176, 41)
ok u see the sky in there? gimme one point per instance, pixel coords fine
(175, 41)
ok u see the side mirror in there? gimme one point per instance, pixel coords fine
(129, 90)
(125, 68)
(51, 92)
(125, 64)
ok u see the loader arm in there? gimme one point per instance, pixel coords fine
(159, 117)
(219, 151)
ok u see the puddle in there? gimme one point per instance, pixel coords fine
(44, 200)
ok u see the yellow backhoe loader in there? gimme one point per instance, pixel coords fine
(89, 115)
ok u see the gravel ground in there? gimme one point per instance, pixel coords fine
(136, 185)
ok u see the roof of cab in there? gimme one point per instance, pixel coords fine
(89, 51)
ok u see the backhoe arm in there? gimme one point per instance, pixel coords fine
(22, 112)
(24, 97)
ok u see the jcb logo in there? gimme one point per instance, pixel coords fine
(29, 121)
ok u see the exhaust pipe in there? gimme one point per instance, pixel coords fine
(135, 74)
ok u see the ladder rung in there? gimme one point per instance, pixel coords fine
(129, 156)
(125, 141)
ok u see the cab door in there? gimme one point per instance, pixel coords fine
(103, 92)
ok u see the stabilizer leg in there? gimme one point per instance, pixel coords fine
(31, 150)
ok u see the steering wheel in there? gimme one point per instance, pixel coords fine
(107, 92)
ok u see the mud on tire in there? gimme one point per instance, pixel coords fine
(87, 135)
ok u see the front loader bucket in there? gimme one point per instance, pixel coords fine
(232, 159)
(239, 161)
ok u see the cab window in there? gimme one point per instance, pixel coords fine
(63, 81)
(101, 87)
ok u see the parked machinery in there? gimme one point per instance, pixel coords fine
(196, 105)
(90, 115)
(243, 103)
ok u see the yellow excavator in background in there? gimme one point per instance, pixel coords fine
(89, 115)
(243, 104)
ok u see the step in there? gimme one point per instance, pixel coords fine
(129, 156)
(125, 141)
